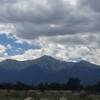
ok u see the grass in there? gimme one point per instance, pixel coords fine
(51, 95)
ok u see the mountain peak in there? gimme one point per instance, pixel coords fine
(46, 56)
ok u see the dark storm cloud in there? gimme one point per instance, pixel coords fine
(32, 19)
(93, 8)
(89, 40)
(93, 4)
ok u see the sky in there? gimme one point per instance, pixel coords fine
(68, 30)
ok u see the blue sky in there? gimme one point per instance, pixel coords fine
(13, 47)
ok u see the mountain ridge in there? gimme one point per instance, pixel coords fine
(48, 69)
(44, 58)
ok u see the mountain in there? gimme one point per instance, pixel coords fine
(48, 69)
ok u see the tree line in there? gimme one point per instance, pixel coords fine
(73, 84)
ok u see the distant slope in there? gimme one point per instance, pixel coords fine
(48, 69)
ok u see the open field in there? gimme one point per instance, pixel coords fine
(46, 95)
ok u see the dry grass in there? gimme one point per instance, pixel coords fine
(46, 95)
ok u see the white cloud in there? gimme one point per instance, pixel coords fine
(9, 46)
(2, 49)
(6, 28)
(2, 52)
(28, 55)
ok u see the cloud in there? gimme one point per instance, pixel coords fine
(2, 49)
(64, 29)
(6, 28)
(27, 55)
(46, 18)
(9, 46)
(68, 48)
(34, 19)
(88, 39)
(93, 5)
(73, 47)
